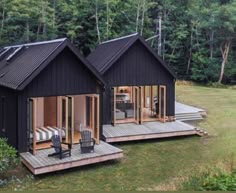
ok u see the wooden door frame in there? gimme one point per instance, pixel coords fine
(151, 102)
(162, 119)
(114, 106)
(34, 125)
(136, 106)
(72, 117)
(59, 115)
(66, 114)
(97, 126)
(94, 126)
(141, 101)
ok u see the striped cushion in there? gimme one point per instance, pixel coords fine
(45, 133)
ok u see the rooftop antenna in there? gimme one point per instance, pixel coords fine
(159, 37)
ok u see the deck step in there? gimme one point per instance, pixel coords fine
(188, 116)
(201, 132)
(198, 113)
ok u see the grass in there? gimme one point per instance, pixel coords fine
(158, 164)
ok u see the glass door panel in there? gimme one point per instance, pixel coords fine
(113, 105)
(136, 105)
(162, 103)
(96, 119)
(67, 118)
(70, 120)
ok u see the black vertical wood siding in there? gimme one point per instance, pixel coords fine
(138, 67)
(10, 115)
(65, 75)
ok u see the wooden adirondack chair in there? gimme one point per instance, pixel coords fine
(86, 142)
(59, 150)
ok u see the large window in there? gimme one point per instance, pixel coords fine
(65, 116)
(138, 104)
(125, 101)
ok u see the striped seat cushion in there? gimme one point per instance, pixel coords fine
(45, 133)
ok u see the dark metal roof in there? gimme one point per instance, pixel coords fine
(107, 53)
(24, 64)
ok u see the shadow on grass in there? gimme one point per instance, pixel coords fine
(177, 138)
(110, 163)
(84, 168)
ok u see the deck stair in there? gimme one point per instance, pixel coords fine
(200, 132)
(189, 116)
(185, 112)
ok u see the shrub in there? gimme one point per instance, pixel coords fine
(216, 85)
(215, 180)
(7, 155)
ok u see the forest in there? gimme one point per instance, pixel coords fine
(195, 37)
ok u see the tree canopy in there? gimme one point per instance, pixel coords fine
(197, 36)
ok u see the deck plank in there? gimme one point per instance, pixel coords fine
(41, 163)
(132, 131)
(181, 108)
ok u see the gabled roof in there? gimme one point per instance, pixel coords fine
(20, 64)
(107, 53)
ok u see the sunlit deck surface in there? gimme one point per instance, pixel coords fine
(41, 163)
(185, 112)
(148, 130)
(183, 108)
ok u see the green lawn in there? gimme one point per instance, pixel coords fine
(159, 164)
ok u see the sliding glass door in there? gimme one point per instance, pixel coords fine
(150, 103)
(32, 111)
(133, 104)
(162, 103)
(136, 97)
(67, 118)
(92, 115)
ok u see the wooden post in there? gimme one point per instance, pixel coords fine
(114, 106)
(141, 94)
(34, 124)
(98, 119)
(162, 88)
(144, 96)
(67, 134)
(59, 115)
(72, 119)
(151, 99)
(136, 104)
(92, 114)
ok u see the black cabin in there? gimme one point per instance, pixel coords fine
(141, 85)
(47, 88)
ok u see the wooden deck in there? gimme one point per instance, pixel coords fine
(148, 130)
(41, 163)
(185, 112)
(181, 108)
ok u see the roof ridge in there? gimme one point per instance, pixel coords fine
(37, 43)
(123, 37)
